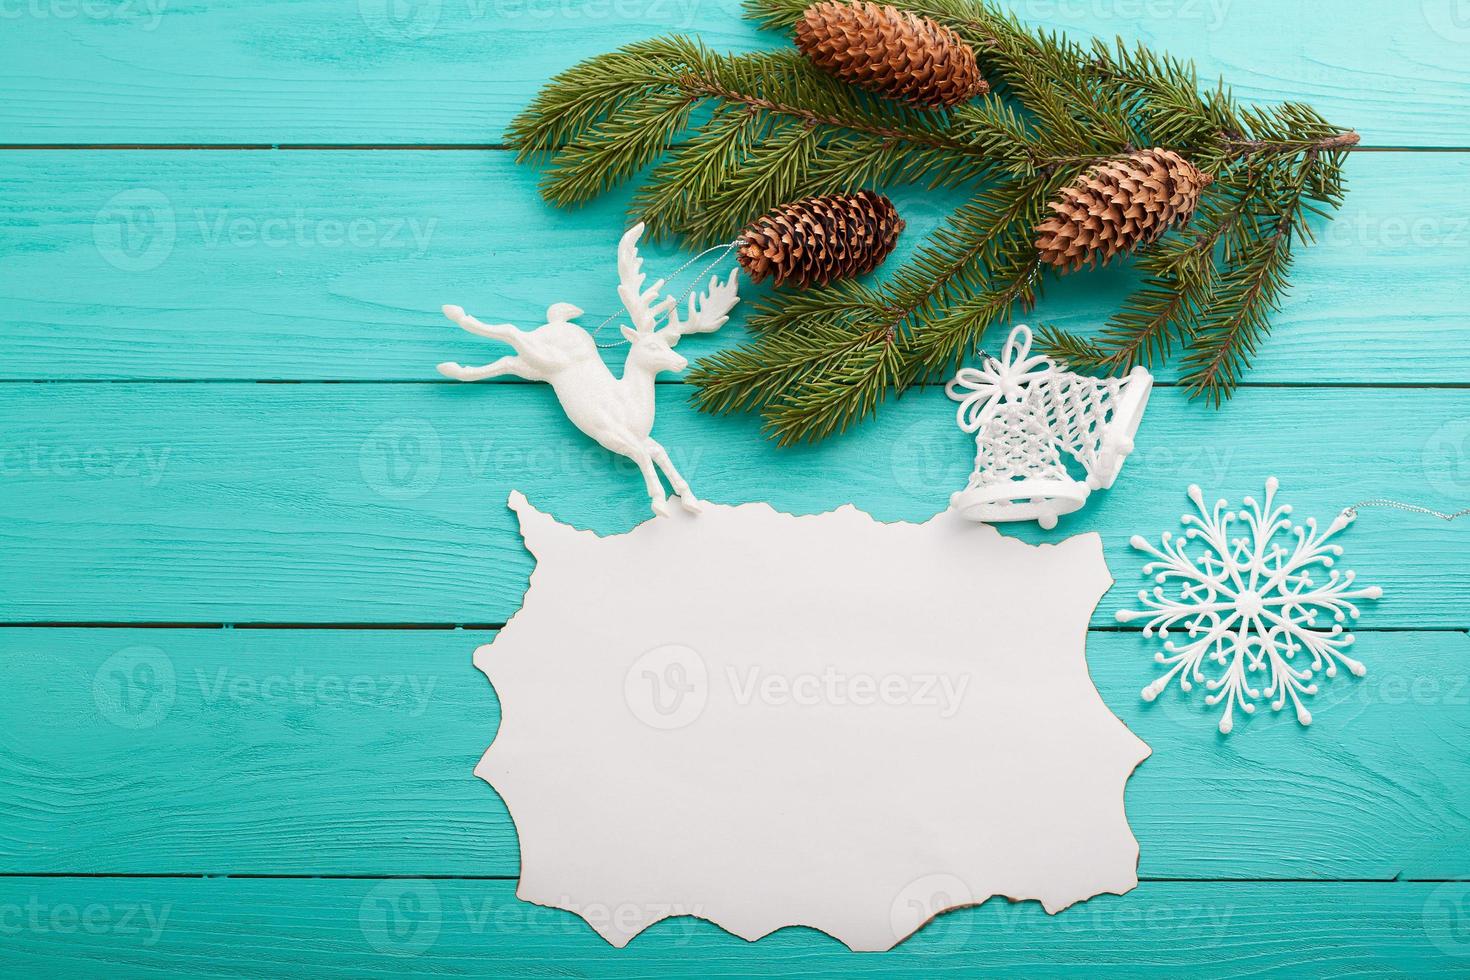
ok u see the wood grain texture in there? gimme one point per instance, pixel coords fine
(333, 265)
(232, 928)
(386, 503)
(350, 752)
(456, 71)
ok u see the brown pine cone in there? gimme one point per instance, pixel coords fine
(1119, 206)
(892, 52)
(819, 239)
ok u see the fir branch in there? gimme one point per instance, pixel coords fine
(1070, 349)
(722, 138)
(847, 390)
(803, 132)
(1164, 309)
(678, 190)
(1337, 141)
(1182, 273)
(942, 345)
(1229, 337)
(830, 357)
(711, 86)
(776, 171)
(618, 149)
(597, 89)
(1142, 331)
(797, 340)
(1231, 331)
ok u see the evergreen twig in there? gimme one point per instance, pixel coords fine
(723, 138)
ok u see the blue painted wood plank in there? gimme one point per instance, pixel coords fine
(184, 751)
(313, 71)
(231, 928)
(333, 266)
(386, 503)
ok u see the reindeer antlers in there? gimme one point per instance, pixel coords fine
(630, 284)
(707, 313)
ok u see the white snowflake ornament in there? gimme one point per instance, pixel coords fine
(1259, 624)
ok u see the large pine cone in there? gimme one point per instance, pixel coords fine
(892, 52)
(819, 239)
(1119, 206)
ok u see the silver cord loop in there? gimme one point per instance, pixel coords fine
(1410, 508)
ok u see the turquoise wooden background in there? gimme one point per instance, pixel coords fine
(248, 539)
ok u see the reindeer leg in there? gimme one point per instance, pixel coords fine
(686, 496)
(506, 365)
(655, 489)
(504, 332)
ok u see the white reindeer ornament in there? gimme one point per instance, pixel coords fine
(617, 412)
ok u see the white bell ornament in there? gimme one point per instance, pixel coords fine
(1095, 419)
(1026, 411)
(1019, 475)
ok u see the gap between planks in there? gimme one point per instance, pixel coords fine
(478, 147)
(1277, 385)
(484, 627)
(443, 877)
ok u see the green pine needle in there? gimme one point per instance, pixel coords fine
(716, 140)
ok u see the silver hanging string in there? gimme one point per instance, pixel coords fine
(724, 251)
(1410, 508)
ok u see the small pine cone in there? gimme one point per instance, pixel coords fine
(819, 239)
(1119, 206)
(892, 52)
